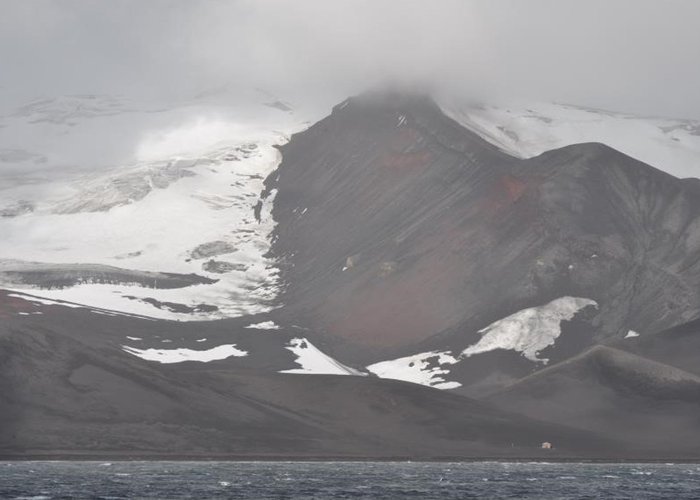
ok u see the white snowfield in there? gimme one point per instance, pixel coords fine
(264, 325)
(313, 361)
(43, 301)
(525, 130)
(191, 203)
(426, 368)
(528, 332)
(180, 355)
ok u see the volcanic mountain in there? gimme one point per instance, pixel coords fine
(539, 298)
(399, 232)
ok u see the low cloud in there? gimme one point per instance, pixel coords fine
(634, 55)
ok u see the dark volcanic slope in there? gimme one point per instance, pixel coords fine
(401, 232)
(678, 346)
(616, 393)
(64, 392)
(101, 329)
(386, 192)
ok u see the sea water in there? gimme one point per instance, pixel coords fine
(347, 480)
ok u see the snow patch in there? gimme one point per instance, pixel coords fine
(183, 354)
(264, 325)
(427, 368)
(313, 361)
(530, 330)
(631, 334)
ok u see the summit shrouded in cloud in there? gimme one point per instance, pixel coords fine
(629, 55)
(88, 85)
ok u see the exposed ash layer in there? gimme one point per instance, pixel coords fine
(212, 249)
(220, 266)
(48, 275)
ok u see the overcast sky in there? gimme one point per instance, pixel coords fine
(629, 55)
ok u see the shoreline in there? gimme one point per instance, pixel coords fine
(151, 457)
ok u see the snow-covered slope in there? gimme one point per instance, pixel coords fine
(426, 368)
(527, 130)
(180, 355)
(204, 223)
(315, 362)
(282, 353)
(191, 203)
(527, 332)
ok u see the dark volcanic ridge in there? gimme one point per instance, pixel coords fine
(400, 232)
(50, 275)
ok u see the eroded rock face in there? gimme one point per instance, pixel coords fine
(397, 227)
(120, 190)
(212, 249)
(220, 266)
(16, 209)
(48, 275)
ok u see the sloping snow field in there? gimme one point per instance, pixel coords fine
(525, 130)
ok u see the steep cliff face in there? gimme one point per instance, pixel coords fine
(399, 231)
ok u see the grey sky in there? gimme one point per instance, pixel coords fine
(630, 55)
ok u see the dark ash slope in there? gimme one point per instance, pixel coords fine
(15, 273)
(67, 390)
(402, 232)
(615, 393)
